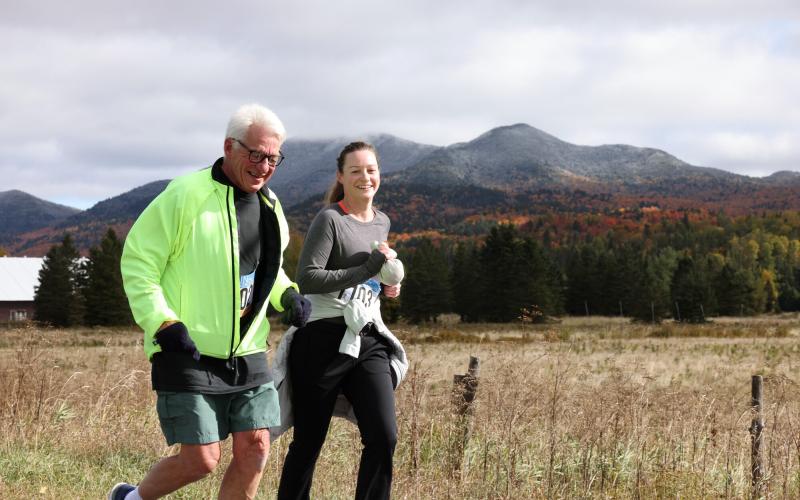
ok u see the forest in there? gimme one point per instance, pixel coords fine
(645, 264)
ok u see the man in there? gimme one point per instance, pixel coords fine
(200, 266)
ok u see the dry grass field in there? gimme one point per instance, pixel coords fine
(588, 408)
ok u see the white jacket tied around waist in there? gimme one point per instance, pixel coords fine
(361, 308)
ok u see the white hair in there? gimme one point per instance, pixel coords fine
(254, 114)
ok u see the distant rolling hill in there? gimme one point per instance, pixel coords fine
(21, 213)
(508, 171)
(521, 157)
(88, 226)
(519, 169)
(117, 210)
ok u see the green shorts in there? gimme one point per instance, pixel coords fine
(193, 418)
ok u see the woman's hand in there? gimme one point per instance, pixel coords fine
(391, 291)
(383, 247)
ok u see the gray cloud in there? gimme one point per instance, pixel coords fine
(99, 97)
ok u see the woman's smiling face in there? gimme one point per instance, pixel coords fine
(360, 176)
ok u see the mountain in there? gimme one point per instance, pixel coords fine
(21, 212)
(120, 209)
(88, 227)
(539, 172)
(507, 173)
(518, 171)
(782, 178)
(523, 157)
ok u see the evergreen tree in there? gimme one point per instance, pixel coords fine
(575, 270)
(788, 288)
(628, 267)
(106, 303)
(788, 294)
(426, 289)
(504, 276)
(606, 302)
(786, 268)
(651, 298)
(734, 290)
(56, 300)
(542, 279)
(585, 279)
(465, 283)
(691, 291)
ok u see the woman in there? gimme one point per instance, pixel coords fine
(345, 348)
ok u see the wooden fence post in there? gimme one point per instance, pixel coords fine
(464, 389)
(757, 425)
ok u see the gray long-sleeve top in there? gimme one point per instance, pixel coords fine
(337, 251)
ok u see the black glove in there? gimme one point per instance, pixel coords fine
(297, 308)
(175, 338)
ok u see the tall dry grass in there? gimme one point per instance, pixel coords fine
(584, 409)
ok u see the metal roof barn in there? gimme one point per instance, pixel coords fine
(18, 278)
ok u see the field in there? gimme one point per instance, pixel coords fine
(587, 408)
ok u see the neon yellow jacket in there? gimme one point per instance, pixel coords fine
(181, 263)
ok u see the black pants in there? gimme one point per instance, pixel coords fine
(319, 374)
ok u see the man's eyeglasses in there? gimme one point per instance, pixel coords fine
(259, 156)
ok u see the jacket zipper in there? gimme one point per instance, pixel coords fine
(233, 273)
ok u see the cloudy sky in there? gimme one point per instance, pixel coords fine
(98, 97)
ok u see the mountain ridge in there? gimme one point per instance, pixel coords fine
(21, 212)
(513, 169)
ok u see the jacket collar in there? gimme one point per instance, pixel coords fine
(219, 176)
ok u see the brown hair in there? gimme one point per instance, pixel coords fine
(336, 191)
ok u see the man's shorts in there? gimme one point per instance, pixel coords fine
(193, 418)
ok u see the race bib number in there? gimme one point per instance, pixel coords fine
(246, 283)
(365, 292)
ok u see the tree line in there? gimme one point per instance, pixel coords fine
(684, 268)
(75, 291)
(680, 269)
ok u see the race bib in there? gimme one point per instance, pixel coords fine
(365, 292)
(246, 283)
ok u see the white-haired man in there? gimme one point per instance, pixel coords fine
(200, 267)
